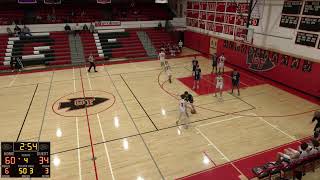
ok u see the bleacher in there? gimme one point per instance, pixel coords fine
(105, 45)
(38, 49)
(160, 37)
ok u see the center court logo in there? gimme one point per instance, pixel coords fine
(76, 105)
(81, 103)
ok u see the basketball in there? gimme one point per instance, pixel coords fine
(193, 111)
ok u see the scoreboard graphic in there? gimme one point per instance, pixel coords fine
(25, 159)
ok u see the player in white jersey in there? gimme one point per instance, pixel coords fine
(162, 57)
(221, 61)
(219, 84)
(183, 110)
(167, 69)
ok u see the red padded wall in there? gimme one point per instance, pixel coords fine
(197, 41)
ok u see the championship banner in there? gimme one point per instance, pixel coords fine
(103, 1)
(27, 1)
(52, 1)
(107, 23)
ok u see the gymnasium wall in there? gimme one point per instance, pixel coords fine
(300, 74)
(268, 33)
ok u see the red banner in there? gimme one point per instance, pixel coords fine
(103, 1)
(107, 23)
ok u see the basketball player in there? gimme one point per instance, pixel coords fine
(162, 57)
(189, 99)
(214, 63)
(235, 76)
(180, 45)
(316, 117)
(183, 110)
(194, 64)
(197, 77)
(219, 85)
(92, 64)
(167, 69)
(222, 59)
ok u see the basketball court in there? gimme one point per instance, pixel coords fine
(128, 131)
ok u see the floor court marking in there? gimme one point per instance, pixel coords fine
(139, 134)
(144, 110)
(25, 117)
(13, 80)
(77, 128)
(169, 127)
(103, 138)
(219, 151)
(46, 105)
(275, 127)
(89, 129)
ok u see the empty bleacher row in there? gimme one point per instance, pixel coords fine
(105, 45)
(39, 49)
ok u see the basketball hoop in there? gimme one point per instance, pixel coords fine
(243, 35)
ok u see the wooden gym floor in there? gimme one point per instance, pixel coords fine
(133, 134)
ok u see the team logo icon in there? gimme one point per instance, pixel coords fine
(81, 103)
(260, 60)
(77, 105)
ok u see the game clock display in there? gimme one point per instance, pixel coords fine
(25, 159)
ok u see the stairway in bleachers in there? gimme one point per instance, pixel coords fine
(76, 49)
(147, 44)
(108, 45)
(159, 37)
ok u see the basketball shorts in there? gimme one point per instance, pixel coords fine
(235, 83)
(196, 78)
(219, 85)
(220, 65)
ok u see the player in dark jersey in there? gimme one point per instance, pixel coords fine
(194, 64)
(316, 117)
(214, 63)
(235, 76)
(197, 77)
(188, 97)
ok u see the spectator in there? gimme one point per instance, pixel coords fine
(315, 147)
(49, 18)
(26, 31)
(316, 117)
(316, 136)
(10, 33)
(292, 154)
(67, 28)
(180, 45)
(85, 27)
(91, 28)
(76, 29)
(17, 30)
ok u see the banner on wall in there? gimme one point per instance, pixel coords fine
(27, 1)
(103, 1)
(52, 1)
(213, 45)
(107, 23)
